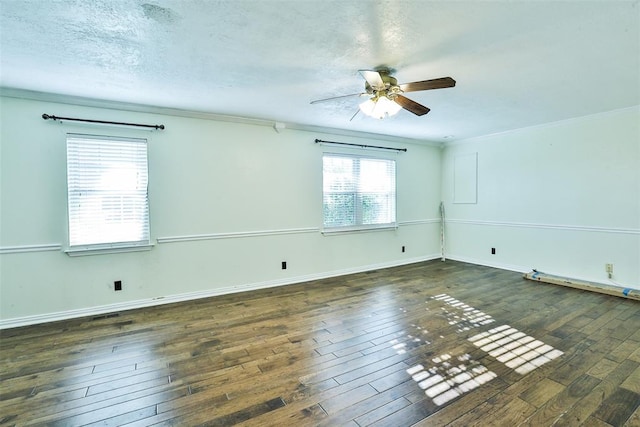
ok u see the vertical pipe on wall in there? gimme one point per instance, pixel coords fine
(442, 257)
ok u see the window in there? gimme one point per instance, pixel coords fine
(358, 192)
(107, 193)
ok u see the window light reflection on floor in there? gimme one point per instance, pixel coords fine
(515, 349)
(449, 376)
(461, 314)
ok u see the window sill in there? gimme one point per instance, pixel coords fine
(349, 230)
(112, 249)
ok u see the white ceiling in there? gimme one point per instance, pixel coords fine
(516, 63)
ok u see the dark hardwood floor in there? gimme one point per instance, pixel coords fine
(434, 343)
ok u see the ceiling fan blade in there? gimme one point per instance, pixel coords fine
(412, 106)
(373, 78)
(337, 97)
(440, 83)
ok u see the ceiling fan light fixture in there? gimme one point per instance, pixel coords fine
(387, 96)
(380, 107)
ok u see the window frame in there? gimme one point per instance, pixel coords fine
(357, 225)
(113, 246)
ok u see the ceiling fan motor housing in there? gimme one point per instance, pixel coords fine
(390, 89)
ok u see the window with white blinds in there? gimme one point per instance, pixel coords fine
(358, 192)
(107, 181)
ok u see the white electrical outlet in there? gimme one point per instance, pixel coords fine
(609, 269)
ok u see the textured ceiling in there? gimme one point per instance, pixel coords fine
(516, 63)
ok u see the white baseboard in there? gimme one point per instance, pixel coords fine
(148, 302)
(510, 267)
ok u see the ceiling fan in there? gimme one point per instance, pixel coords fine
(386, 94)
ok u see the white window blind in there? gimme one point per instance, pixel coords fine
(358, 192)
(107, 192)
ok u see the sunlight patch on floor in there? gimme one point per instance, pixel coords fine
(461, 314)
(448, 377)
(515, 349)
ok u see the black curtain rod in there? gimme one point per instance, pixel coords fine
(102, 122)
(361, 145)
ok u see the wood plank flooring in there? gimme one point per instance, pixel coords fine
(429, 344)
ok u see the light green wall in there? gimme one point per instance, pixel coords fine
(563, 198)
(207, 178)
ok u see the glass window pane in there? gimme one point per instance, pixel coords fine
(107, 190)
(339, 209)
(358, 191)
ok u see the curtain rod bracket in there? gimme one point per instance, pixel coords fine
(46, 116)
